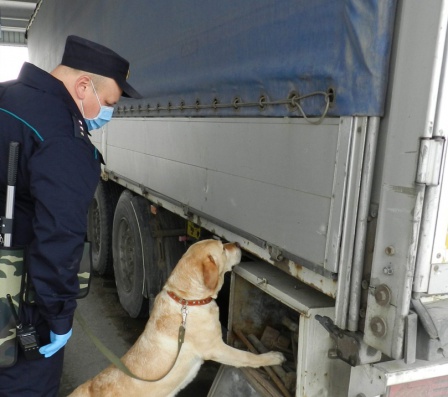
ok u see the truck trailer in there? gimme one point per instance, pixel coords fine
(313, 133)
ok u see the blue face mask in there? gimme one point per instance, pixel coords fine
(104, 115)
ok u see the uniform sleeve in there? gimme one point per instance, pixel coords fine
(63, 178)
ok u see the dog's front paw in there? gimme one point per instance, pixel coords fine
(274, 358)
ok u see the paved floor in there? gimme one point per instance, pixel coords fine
(118, 332)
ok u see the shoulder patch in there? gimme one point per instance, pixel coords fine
(78, 128)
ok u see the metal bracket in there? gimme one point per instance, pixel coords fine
(5, 225)
(275, 253)
(430, 160)
(349, 345)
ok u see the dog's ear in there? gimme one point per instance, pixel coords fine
(211, 272)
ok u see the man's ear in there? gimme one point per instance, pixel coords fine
(82, 83)
(210, 272)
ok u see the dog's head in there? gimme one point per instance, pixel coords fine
(200, 271)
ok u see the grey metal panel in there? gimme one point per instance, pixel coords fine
(432, 259)
(283, 287)
(409, 118)
(281, 180)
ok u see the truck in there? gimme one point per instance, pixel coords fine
(311, 133)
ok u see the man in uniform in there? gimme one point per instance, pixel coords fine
(50, 114)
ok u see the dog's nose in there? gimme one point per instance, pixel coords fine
(237, 245)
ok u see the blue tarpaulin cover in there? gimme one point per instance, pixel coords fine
(202, 50)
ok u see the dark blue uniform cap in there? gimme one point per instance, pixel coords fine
(83, 54)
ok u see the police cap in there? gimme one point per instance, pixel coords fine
(83, 54)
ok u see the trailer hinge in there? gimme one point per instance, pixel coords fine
(350, 346)
(429, 170)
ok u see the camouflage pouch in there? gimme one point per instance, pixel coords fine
(84, 277)
(11, 282)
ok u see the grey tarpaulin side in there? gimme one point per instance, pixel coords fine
(206, 50)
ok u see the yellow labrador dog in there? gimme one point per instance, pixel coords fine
(194, 283)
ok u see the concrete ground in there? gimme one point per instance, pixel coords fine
(110, 323)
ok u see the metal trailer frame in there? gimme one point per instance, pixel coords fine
(402, 174)
(409, 141)
(300, 196)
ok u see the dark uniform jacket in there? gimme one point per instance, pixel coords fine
(58, 172)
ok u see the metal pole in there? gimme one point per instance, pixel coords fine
(13, 162)
(361, 229)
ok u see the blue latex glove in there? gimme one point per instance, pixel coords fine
(57, 342)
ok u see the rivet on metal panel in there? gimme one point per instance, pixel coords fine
(390, 250)
(378, 326)
(388, 270)
(383, 295)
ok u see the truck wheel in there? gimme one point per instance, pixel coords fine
(99, 230)
(131, 245)
(165, 230)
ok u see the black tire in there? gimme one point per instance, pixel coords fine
(99, 230)
(168, 249)
(132, 246)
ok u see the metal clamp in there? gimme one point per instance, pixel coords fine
(5, 225)
(184, 312)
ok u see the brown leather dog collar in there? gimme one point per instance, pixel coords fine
(195, 302)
